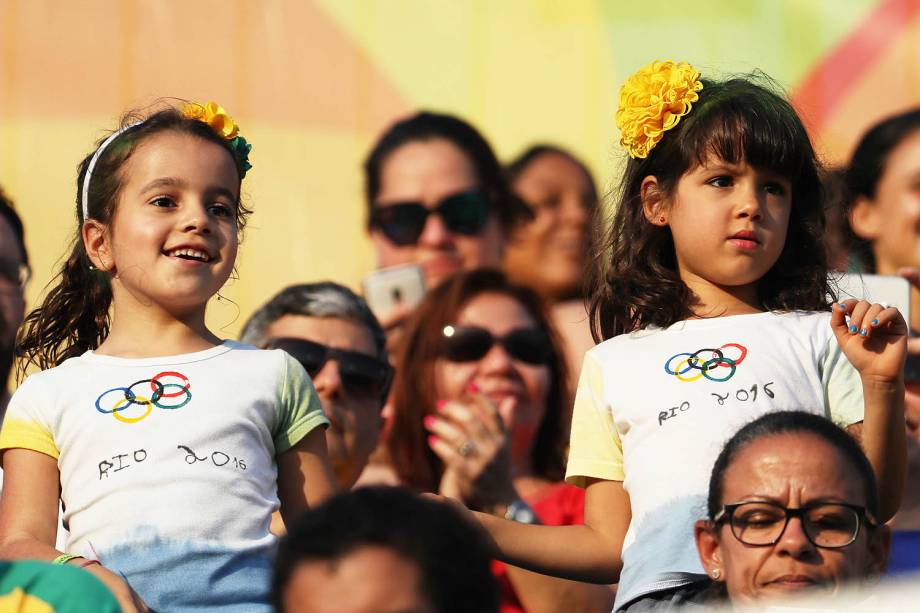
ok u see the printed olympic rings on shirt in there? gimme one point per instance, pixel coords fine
(707, 363)
(165, 385)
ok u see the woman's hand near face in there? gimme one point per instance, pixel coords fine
(468, 436)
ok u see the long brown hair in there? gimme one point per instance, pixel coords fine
(414, 393)
(74, 315)
(635, 281)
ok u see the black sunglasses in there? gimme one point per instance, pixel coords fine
(470, 343)
(361, 374)
(403, 222)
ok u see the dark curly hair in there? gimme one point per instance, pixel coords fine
(635, 282)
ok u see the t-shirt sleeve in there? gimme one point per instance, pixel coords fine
(300, 409)
(595, 449)
(26, 424)
(843, 392)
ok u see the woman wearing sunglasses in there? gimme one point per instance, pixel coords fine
(477, 416)
(437, 198)
(792, 506)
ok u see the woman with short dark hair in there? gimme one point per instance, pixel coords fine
(793, 506)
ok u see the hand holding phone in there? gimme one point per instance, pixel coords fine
(392, 293)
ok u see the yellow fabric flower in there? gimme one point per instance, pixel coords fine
(215, 116)
(652, 101)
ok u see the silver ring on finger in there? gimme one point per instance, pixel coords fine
(467, 449)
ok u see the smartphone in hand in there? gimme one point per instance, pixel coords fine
(396, 287)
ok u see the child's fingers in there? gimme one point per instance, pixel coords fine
(870, 320)
(891, 321)
(839, 312)
(857, 314)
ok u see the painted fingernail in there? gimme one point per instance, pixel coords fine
(432, 440)
(472, 388)
(842, 306)
(874, 322)
(429, 421)
(440, 404)
(853, 328)
(864, 331)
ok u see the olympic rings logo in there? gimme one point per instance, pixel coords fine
(170, 385)
(713, 364)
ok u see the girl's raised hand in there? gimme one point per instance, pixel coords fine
(874, 339)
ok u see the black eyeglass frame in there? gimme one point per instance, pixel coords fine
(727, 513)
(382, 216)
(347, 360)
(453, 330)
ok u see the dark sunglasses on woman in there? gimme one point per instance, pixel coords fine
(471, 343)
(403, 222)
(361, 374)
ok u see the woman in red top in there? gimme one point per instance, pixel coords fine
(478, 417)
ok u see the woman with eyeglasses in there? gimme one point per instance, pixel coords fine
(478, 416)
(793, 506)
(437, 198)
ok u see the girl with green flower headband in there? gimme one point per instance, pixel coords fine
(710, 304)
(168, 447)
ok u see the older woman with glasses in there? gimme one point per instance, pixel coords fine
(478, 416)
(792, 506)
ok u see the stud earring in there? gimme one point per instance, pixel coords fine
(661, 219)
(716, 573)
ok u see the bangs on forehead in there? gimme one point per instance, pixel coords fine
(754, 128)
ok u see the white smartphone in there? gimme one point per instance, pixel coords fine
(883, 289)
(397, 286)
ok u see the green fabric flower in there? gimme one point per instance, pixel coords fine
(242, 149)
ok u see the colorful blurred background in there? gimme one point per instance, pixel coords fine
(313, 82)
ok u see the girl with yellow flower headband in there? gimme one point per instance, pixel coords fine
(168, 447)
(712, 304)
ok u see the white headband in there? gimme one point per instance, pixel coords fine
(92, 164)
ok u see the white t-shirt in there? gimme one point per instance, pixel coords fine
(654, 408)
(168, 465)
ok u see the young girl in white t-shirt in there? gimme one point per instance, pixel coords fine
(713, 300)
(168, 447)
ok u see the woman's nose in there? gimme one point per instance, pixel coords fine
(435, 233)
(793, 541)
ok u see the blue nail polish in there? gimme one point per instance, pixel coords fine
(853, 328)
(863, 332)
(874, 322)
(842, 306)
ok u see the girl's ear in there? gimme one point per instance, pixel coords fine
(707, 545)
(653, 204)
(865, 219)
(97, 245)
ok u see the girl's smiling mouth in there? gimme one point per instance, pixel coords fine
(188, 253)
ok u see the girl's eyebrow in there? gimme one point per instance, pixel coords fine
(181, 183)
(163, 182)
